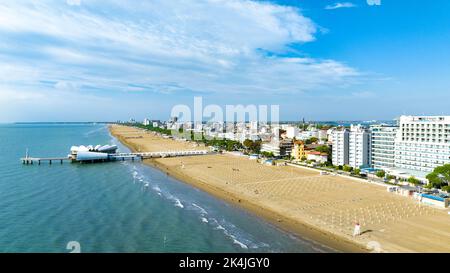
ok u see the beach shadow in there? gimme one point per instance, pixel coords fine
(366, 231)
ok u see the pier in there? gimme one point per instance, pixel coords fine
(112, 157)
(49, 160)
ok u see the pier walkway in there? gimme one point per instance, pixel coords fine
(39, 160)
(115, 157)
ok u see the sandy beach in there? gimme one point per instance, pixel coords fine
(300, 200)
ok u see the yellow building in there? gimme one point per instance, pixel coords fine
(299, 151)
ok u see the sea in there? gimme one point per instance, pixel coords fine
(106, 207)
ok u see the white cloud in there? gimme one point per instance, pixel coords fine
(66, 86)
(340, 5)
(207, 46)
(73, 2)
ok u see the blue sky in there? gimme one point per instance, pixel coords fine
(323, 60)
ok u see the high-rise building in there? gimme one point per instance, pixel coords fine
(359, 147)
(422, 143)
(351, 147)
(340, 147)
(292, 131)
(383, 146)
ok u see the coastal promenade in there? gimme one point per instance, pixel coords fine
(323, 208)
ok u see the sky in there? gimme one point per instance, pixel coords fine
(92, 60)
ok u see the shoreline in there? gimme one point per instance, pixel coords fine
(300, 229)
(294, 227)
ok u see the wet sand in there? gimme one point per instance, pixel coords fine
(300, 200)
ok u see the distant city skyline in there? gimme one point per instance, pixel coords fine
(323, 60)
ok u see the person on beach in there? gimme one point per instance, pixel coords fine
(357, 230)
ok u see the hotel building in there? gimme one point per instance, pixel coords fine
(359, 147)
(422, 143)
(383, 146)
(340, 140)
(351, 147)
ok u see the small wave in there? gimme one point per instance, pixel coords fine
(242, 245)
(204, 220)
(178, 204)
(227, 233)
(219, 227)
(202, 210)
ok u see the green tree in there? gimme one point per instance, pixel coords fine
(267, 154)
(248, 144)
(323, 149)
(347, 168)
(256, 146)
(414, 181)
(390, 177)
(446, 188)
(440, 176)
(381, 174)
(357, 171)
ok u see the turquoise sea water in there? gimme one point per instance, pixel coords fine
(105, 207)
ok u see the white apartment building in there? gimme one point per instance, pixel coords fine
(322, 135)
(383, 146)
(278, 148)
(422, 143)
(292, 131)
(351, 147)
(303, 135)
(340, 140)
(359, 147)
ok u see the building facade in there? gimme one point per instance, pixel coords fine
(383, 146)
(340, 139)
(422, 143)
(351, 147)
(359, 147)
(317, 156)
(278, 148)
(298, 151)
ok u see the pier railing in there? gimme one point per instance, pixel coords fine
(114, 157)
